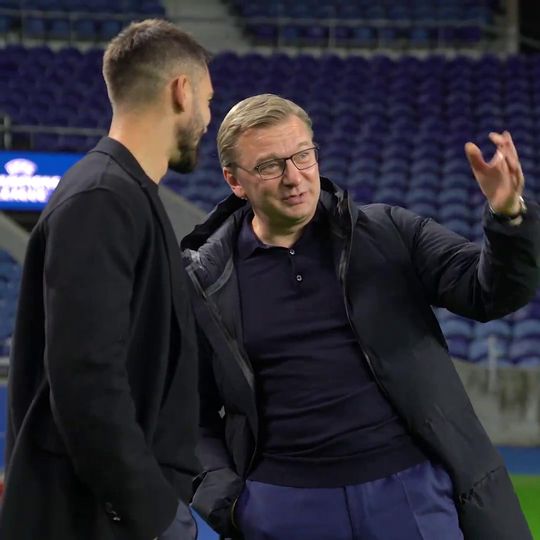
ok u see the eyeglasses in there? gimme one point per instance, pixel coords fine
(274, 168)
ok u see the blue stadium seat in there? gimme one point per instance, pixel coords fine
(458, 226)
(362, 37)
(425, 180)
(454, 211)
(500, 328)
(34, 27)
(395, 165)
(85, 29)
(427, 166)
(397, 180)
(482, 350)
(109, 28)
(421, 195)
(528, 328)
(525, 350)
(457, 327)
(363, 166)
(423, 209)
(389, 195)
(454, 195)
(60, 29)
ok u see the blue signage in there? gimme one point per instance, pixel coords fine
(27, 179)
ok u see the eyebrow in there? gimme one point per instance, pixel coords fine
(270, 157)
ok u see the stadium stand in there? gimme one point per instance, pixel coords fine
(389, 129)
(418, 23)
(73, 20)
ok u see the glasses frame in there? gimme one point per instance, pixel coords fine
(284, 159)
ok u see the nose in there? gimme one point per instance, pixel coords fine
(291, 176)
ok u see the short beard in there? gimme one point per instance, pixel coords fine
(188, 152)
(187, 159)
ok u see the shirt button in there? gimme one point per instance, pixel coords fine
(299, 277)
(292, 252)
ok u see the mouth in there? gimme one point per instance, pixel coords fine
(295, 199)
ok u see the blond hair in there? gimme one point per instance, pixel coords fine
(259, 111)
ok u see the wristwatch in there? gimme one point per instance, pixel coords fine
(512, 219)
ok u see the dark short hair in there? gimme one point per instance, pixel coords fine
(144, 55)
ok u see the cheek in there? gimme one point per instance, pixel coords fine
(259, 194)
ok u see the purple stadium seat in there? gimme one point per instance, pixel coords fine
(527, 328)
(525, 350)
(482, 350)
(500, 328)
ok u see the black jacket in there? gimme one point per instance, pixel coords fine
(393, 266)
(103, 408)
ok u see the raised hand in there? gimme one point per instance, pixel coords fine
(501, 179)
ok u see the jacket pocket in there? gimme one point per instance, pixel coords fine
(215, 496)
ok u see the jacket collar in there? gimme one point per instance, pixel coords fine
(208, 250)
(231, 212)
(117, 151)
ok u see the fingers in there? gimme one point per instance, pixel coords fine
(476, 159)
(505, 145)
(498, 158)
(512, 158)
(474, 155)
(498, 139)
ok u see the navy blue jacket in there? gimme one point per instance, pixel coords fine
(393, 266)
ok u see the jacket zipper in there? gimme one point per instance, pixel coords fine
(232, 346)
(343, 268)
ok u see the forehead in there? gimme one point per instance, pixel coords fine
(279, 139)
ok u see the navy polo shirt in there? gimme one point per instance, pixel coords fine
(324, 420)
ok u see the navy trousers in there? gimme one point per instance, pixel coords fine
(414, 504)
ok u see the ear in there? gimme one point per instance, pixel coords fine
(231, 179)
(181, 93)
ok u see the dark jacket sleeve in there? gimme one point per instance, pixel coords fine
(218, 486)
(480, 282)
(90, 259)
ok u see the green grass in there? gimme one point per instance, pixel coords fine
(528, 490)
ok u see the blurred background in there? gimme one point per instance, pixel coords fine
(394, 88)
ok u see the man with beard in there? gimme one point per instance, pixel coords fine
(102, 383)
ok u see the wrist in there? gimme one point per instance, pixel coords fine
(509, 212)
(514, 216)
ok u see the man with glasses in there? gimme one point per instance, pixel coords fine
(330, 408)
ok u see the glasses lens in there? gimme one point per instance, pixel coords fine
(276, 167)
(271, 169)
(305, 158)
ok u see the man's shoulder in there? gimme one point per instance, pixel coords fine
(385, 220)
(97, 171)
(386, 213)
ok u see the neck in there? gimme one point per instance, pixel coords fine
(285, 236)
(145, 137)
